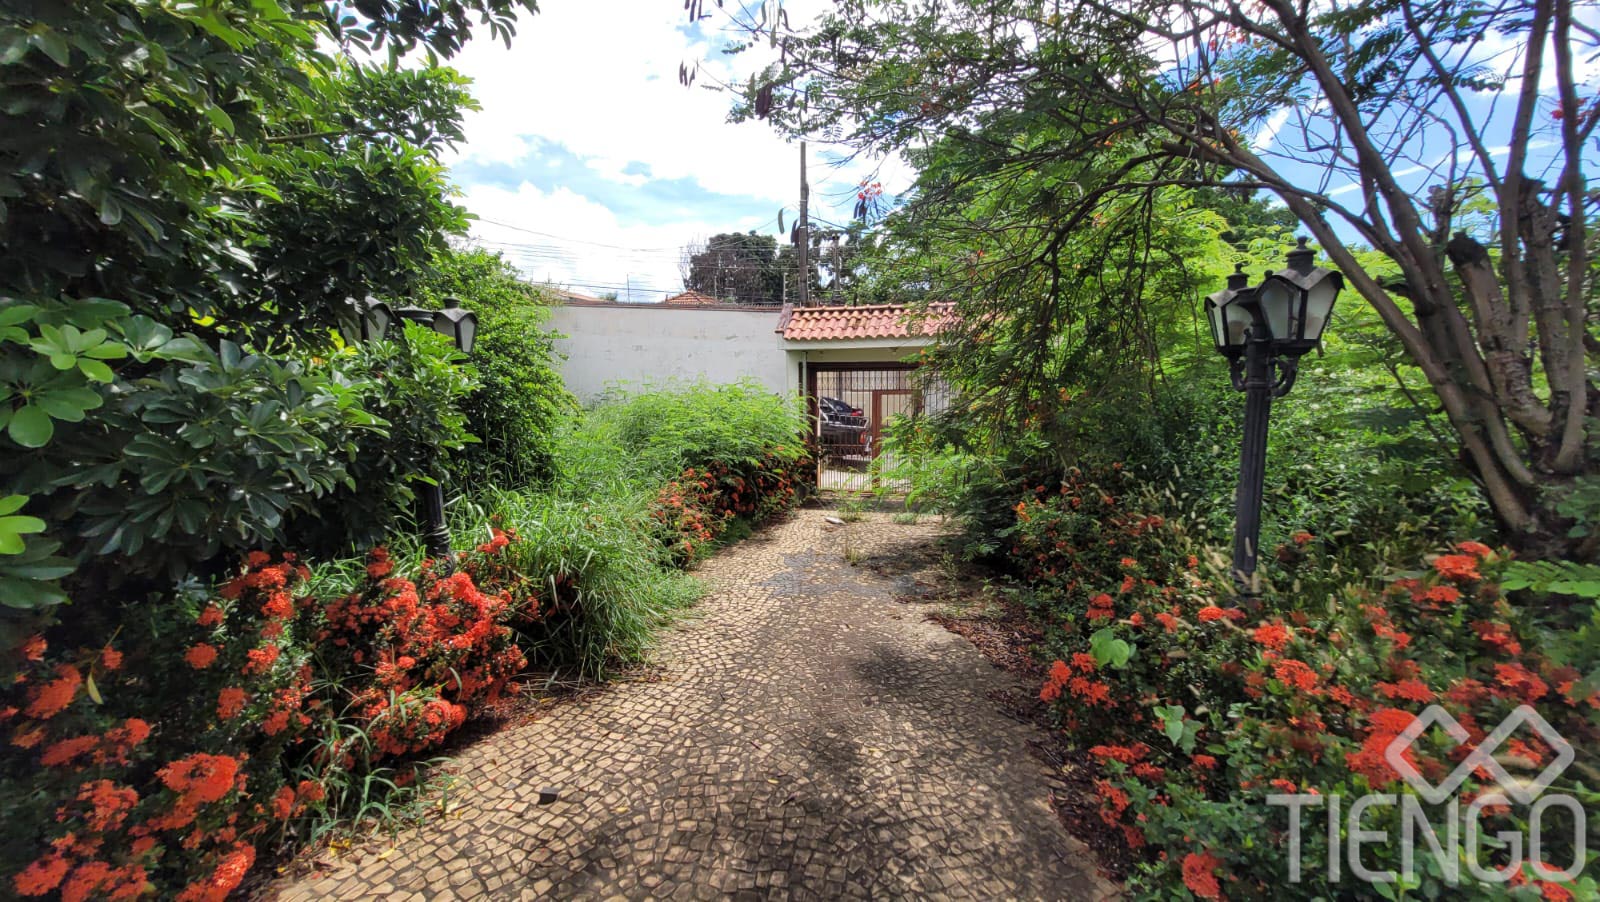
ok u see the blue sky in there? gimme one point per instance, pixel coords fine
(591, 166)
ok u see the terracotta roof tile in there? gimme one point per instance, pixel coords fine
(877, 321)
(692, 297)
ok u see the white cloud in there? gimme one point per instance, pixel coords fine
(1269, 131)
(601, 79)
(583, 244)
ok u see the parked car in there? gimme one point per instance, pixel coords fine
(844, 430)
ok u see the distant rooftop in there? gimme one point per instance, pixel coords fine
(875, 321)
(692, 298)
(564, 296)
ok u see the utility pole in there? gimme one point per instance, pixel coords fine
(837, 265)
(805, 233)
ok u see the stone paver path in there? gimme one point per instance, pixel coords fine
(811, 737)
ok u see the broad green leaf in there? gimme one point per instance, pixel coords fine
(219, 118)
(96, 370)
(30, 427)
(17, 313)
(54, 46)
(27, 594)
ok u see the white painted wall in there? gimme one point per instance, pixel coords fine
(653, 343)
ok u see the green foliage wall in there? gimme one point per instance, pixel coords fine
(521, 400)
(188, 193)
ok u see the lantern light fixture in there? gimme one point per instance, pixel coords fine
(453, 322)
(1297, 302)
(1263, 331)
(1228, 314)
(368, 319)
(372, 319)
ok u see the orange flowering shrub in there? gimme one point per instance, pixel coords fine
(694, 508)
(1197, 708)
(218, 725)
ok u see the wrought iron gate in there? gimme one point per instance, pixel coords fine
(852, 406)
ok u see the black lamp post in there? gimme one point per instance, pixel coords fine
(1263, 330)
(372, 320)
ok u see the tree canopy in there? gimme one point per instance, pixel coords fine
(1436, 152)
(742, 268)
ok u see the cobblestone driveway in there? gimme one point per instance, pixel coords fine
(811, 737)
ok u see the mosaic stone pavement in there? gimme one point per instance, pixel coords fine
(810, 737)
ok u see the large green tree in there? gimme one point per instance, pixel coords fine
(1452, 139)
(188, 194)
(734, 266)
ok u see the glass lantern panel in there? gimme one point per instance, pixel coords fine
(1319, 306)
(1278, 300)
(1239, 321)
(1218, 323)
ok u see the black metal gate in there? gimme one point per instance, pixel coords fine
(852, 405)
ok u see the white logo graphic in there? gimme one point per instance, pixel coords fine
(1462, 840)
(1522, 791)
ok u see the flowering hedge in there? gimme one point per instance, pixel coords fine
(1197, 709)
(698, 505)
(213, 726)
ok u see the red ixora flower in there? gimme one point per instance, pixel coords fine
(1410, 690)
(1275, 636)
(1461, 568)
(1440, 595)
(1371, 761)
(200, 778)
(260, 660)
(1124, 753)
(1199, 874)
(228, 875)
(230, 702)
(41, 876)
(201, 655)
(46, 701)
(34, 648)
(379, 566)
(1476, 549)
(1296, 674)
(1520, 681)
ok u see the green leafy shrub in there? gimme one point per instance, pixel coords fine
(521, 401)
(188, 453)
(1352, 473)
(416, 388)
(645, 484)
(696, 507)
(187, 196)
